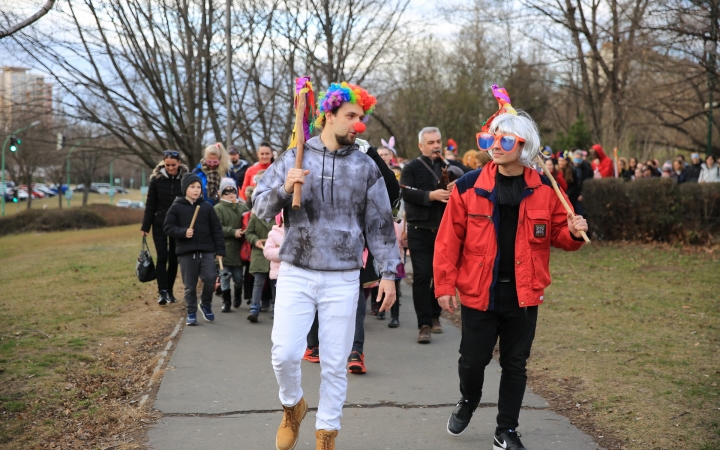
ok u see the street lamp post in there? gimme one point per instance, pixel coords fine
(2, 169)
(711, 49)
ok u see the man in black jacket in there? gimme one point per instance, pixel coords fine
(693, 170)
(196, 246)
(581, 171)
(424, 206)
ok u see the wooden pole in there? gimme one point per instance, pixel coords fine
(617, 162)
(192, 222)
(559, 194)
(300, 139)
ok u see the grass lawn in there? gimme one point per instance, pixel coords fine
(79, 337)
(52, 203)
(628, 344)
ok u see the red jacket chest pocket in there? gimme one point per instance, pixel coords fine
(537, 226)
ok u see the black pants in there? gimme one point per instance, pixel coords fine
(422, 246)
(194, 266)
(480, 331)
(166, 266)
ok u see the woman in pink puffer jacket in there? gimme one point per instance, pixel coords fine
(272, 253)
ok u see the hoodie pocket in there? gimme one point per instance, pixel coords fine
(471, 274)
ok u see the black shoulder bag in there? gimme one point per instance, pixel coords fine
(145, 268)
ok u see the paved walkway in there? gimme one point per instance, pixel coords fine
(219, 392)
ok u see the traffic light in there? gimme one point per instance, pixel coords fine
(14, 143)
(15, 195)
(60, 141)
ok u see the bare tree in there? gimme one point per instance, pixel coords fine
(44, 9)
(607, 37)
(146, 71)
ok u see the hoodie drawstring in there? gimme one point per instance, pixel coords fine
(322, 176)
(332, 179)
(332, 183)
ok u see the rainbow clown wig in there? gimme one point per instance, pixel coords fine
(339, 93)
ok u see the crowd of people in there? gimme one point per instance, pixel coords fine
(315, 270)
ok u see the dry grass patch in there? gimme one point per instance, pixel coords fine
(79, 339)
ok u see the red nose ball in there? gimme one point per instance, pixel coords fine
(359, 127)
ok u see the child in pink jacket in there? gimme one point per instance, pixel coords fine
(272, 253)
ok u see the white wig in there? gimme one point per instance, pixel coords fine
(521, 125)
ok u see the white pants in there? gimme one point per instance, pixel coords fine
(300, 292)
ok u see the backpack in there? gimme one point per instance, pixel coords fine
(245, 247)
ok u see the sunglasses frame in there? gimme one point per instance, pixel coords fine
(171, 153)
(216, 163)
(497, 137)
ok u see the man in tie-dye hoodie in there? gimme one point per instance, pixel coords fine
(344, 207)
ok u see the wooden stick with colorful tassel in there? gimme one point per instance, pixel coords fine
(300, 139)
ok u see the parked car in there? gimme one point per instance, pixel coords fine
(44, 189)
(102, 188)
(22, 194)
(8, 190)
(136, 205)
(124, 203)
(35, 193)
(81, 187)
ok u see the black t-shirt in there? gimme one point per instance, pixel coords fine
(509, 194)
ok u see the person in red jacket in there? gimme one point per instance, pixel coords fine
(605, 167)
(493, 246)
(265, 158)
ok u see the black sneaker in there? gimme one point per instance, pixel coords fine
(163, 298)
(460, 417)
(507, 440)
(171, 297)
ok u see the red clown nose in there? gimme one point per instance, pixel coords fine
(359, 127)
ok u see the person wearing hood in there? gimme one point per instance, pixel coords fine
(196, 247)
(343, 198)
(271, 250)
(230, 213)
(605, 165)
(211, 169)
(163, 188)
(257, 234)
(265, 158)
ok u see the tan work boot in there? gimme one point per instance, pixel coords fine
(325, 439)
(289, 431)
(424, 337)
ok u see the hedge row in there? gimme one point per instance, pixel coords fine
(652, 209)
(92, 216)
